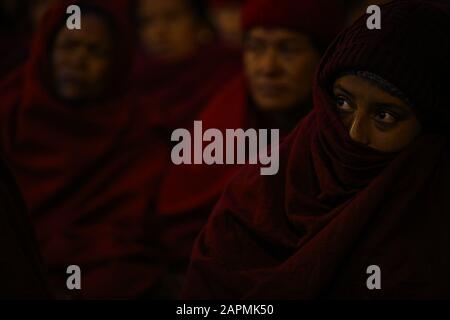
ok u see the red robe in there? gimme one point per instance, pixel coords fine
(178, 92)
(189, 192)
(22, 275)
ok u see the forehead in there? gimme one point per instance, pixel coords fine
(160, 6)
(276, 35)
(94, 29)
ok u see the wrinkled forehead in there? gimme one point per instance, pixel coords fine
(162, 7)
(277, 35)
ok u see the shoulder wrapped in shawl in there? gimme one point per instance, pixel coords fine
(178, 92)
(189, 192)
(336, 208)
(21, 275)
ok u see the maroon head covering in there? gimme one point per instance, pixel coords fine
(87, 172)
(319, 19)
(336, 208)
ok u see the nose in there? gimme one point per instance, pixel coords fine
(159, 30)
(269, 65)
(359, 129)
(78, 57)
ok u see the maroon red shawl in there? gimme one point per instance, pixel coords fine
(189, 192)
(336, 208)
(178, 92)
(21, 276)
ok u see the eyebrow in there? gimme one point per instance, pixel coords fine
(394, 107)
(337, 86)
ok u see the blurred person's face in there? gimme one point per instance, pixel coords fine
(38, 9)
(168, 29)
(374, 117)
(227, 20)
(279, 66)
(81, 60)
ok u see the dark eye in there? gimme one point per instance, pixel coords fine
(343, 105)
(385, 117)
(289, 49)
(254, 46)
(145, 22)
(99, 51)
(67, 45)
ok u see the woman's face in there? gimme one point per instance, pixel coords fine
(227, 20)
(82, 60)
(374, 117)
(279, 66)
(168, 29)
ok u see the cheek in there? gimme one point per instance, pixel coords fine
(250, 69)
(395, 139)
(148, 38)
(182, 32)
(98, 71)
(250, 64)
(145, 35)
(58, 59)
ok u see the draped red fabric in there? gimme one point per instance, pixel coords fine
(13, 50)
(337, 207)
(22, 275)
(188, 192)
(179, 91)
(88, 173)
(14, 37)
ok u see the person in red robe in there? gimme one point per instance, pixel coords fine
(225, 16)
(179, 65)
(85, 162)
(359, 208)
(281, 51)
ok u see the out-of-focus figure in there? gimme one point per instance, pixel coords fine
(171, 29)
(225, 16)
(179, 64)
